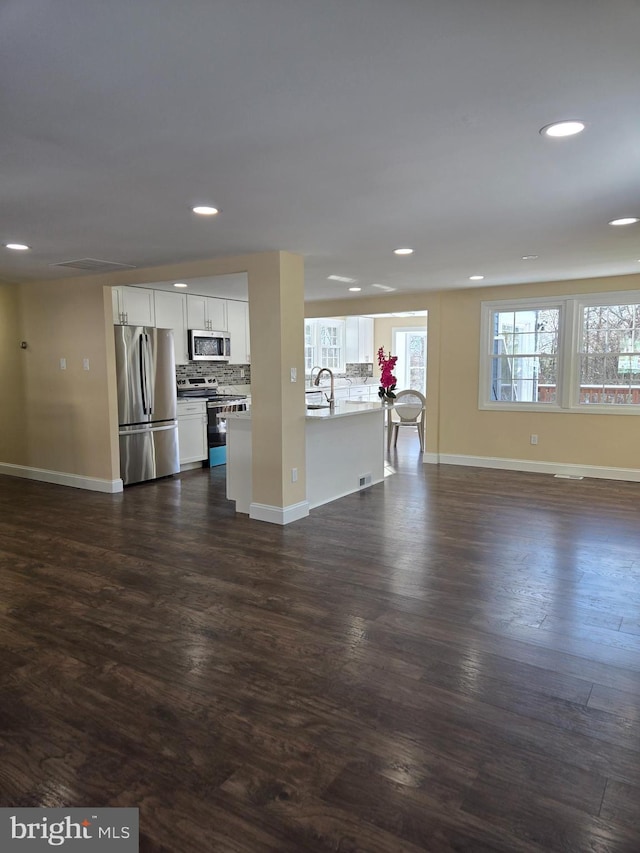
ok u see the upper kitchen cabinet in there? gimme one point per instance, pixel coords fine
(133, 306)
(238, 328)
(359, 340)
(206, 313)
(171, 313)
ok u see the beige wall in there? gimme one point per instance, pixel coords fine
(67, 412)
(607, 440)
(12, 363)
(383, 332)
(276, 314)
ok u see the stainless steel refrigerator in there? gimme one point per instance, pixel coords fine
(148, 429)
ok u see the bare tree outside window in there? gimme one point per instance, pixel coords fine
(569, 352)
(610, 354)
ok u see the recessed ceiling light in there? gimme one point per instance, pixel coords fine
(563, 128)
(205, 210)
(625, 220)
(19, 247)
(180, 284)
(529, 257)
(476, 277)
(342, 278)
(354, 289)
(403, 251)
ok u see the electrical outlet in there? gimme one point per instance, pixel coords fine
(534, 438)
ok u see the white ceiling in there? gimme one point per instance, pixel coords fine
(234, 286)
(338, 129)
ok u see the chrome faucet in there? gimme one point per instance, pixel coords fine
(315, 367)
(330, 399)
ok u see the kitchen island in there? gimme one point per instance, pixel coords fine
(344, 452)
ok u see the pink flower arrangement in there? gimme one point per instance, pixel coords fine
(387, 379)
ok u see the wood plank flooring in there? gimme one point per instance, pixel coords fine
(449, 661)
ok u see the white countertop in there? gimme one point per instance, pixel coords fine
(343, 409)
(365, 382)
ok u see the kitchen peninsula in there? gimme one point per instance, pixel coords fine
(344, 452)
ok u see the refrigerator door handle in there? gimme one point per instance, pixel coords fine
(144, 374)
(150, 383)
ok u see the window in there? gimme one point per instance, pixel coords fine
(610, 354)
(524, 355)
(309, 348)
(410, 345)
(324, 344)
(572, 353)
(330, 348)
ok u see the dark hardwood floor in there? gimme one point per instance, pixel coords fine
(449, 661)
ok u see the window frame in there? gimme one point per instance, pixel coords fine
(572, 309)
(316, 323)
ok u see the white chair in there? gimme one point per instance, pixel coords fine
(409, 409)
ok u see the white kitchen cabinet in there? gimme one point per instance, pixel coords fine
(359, 340)
(192, 432)
(171, 313)
(238, 328)
(365, 335)
(206, 313)
(133, 306)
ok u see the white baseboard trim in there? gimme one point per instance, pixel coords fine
(190, 466)
(430, 458)
(563, 468)
(279, 514)
(59, 478)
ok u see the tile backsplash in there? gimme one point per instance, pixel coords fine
(226, 374)
(229, 374)
(359, 370)
(355, 370)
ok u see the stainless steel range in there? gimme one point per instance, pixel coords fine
(218, 406)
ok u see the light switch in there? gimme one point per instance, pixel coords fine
(63, 364)
(85, 364)
(294, 374)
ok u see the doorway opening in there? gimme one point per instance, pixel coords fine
(410, 345)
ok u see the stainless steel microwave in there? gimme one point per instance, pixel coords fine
(209, 346)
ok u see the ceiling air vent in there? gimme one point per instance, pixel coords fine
(383, 287)
(93, 265)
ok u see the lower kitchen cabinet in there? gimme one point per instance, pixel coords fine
(192, 432)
